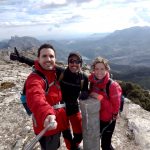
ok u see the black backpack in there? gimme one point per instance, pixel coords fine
(122, 97)
(106, 90)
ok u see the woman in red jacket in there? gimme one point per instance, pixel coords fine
(109, 104)
(46, 107)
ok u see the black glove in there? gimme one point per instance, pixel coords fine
(15, 55)
(83, 95)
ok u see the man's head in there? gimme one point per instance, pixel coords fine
(46, 56)
(74, 62)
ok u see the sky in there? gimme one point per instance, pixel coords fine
(60, 18)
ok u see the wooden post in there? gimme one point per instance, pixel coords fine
(90, 124)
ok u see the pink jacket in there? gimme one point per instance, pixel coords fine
(111, 105)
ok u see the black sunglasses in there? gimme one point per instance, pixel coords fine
(72, 61)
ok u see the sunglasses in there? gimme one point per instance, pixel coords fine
(72, 61)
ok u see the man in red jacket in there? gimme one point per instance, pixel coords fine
(46, 107)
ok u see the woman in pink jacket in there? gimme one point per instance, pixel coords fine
(109, 103)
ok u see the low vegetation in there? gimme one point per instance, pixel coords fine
(6, 85)
(136, 94)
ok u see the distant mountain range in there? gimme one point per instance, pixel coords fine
(23, 43)
(126, 47)
(128, 51)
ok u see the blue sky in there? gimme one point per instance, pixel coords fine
(58, 18)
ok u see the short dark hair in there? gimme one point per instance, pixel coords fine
(46, 46)
(75, 54)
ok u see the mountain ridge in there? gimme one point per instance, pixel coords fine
(127, 46)
(127, 49)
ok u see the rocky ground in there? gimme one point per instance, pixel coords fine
(15, 124)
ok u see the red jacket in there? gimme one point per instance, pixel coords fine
(109, 106)
(41, 104)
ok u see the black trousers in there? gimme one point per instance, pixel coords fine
(50, 142)
(106, 132)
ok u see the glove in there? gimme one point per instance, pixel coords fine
(15, 55)
(83, 95)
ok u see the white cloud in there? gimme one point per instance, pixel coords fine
(71, 15)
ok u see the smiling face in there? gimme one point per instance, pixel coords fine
(100, 67)
(100, 71)
(47, 58)
(74, 64)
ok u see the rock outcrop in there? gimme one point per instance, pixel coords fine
(138, 123)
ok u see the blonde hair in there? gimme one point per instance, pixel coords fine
(100, 60)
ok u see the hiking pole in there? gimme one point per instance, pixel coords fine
(38, 137)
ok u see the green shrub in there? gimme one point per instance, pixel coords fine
(136, 94)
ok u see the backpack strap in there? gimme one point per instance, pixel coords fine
(82, 83)
(61, 76)
(107, 86)
(43, 77)
(59, 71)
(82, 80)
